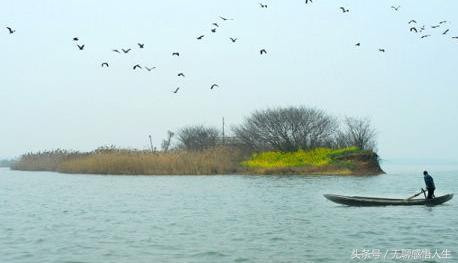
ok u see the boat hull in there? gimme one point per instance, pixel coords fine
(374, 201)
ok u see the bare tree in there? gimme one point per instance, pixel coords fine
(357, 132)
(165, 145)
(196, 138)
(287, 129)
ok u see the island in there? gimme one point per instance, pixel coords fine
(216, 161)
(275, 141)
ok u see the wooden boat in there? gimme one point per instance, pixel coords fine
(374, 201)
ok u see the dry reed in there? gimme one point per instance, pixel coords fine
(218, 160)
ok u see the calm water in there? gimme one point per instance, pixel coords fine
(50, 217)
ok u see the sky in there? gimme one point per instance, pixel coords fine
(53, 95)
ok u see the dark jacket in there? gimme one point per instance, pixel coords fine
(429, 182)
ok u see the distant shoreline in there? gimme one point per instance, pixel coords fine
(6, 163)
(215, 161)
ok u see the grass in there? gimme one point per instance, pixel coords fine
(218, 160)
(319, 157)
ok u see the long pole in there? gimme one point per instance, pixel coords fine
(223, 132)
(151, 143)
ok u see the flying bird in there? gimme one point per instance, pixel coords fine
(225, 19)
(200, 37)
(215, 24)
(105, 64)
(81, 47)
(233, 39)
(424, 36)
(435, 26)
(180, 75)
(455, 37)
(412, 21)
(149, 69)
(75, 39)
(413, 29)
(125, 50)
(214, 86)
(445, 32)
(176, 90)
(344, 10)
(115, 50)
(263, 5)
(396, 8)
(381, 50)
(137, 66)
(10, 30)
(358, 44)
(308, 1)
(213, 30)
(262, 51)
(140, 45)
(443, 22)
(176, 54)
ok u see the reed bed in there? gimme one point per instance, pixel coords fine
(218, 160)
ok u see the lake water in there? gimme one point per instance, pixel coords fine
(51, 217)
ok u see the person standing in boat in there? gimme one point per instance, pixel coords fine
(430, 187)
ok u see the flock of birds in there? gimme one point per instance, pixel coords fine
(215, 25)
(423, 28)
(413, 27)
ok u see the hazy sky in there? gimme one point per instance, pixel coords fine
(53, 95)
